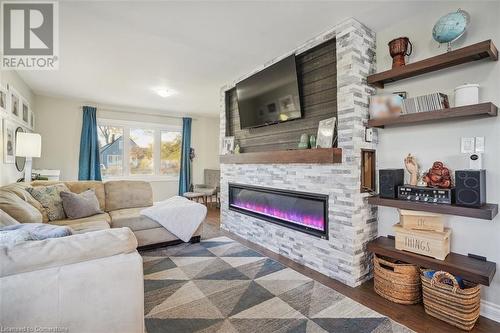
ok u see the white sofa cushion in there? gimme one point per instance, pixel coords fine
(132, 218)
(35, 255)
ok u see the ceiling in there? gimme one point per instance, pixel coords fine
(118, 53)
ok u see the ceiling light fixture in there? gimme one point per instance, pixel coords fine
(165, 92)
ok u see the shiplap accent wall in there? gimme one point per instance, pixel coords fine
(317, 78)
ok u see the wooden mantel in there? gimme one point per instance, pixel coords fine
(304, 156)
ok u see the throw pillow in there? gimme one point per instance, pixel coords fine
(19, 189)
(80, 205)
(50, 198)
(19, 209)
(6, 219)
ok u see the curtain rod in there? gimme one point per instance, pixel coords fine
(135, 112)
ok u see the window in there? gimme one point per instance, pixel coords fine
(141, 151)
(170, 153)
(110, 150)
(114, 160)
(135, 150)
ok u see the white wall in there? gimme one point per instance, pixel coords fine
(60, 123)
(441, 141)
(205, 140)
(8, 172)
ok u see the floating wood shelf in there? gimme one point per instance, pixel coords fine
(318, 155)
(471, 269)
(486, 212)
(478, 51)
(468, 111)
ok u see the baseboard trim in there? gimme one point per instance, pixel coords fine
(490, 310)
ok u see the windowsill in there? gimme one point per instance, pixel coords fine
(146, 178)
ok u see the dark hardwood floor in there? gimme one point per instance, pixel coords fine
(412, 316)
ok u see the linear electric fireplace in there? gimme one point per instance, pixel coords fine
(305, 212)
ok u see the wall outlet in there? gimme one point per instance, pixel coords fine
(369, 135)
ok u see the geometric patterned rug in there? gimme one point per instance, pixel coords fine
(219, 285)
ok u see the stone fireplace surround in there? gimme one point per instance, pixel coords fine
(352, 222)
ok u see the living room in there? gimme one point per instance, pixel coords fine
(175, 167)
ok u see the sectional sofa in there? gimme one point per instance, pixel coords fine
(91, 281)
(121, 202)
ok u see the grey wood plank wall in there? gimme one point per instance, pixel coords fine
(317, 77)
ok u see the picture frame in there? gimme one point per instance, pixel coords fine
(9, 142)
(326, 132)
(25, 111)
(31, 119)
(227, 145)
(15, 104)
(4, 101)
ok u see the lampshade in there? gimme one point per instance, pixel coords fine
(28, 144)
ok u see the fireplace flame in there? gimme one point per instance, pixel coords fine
(314, 222)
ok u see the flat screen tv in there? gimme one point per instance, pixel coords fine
(269, 96)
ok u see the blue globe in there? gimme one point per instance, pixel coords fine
(451, 26)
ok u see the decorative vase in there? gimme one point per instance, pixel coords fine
(312, 141)
(398, 49)
(304, 141)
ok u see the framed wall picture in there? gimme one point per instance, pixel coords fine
(4, 98)
(326, 131)
(32, 119)
(25, 111)
(15, 104)
(227, 145)
(9, 142)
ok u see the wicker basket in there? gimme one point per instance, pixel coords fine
(399, 283)
(458, 307)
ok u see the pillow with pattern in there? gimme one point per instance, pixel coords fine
(50, 198)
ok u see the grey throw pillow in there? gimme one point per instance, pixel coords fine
(80, 205)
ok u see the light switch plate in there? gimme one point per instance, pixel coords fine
(369, 135)
(479, 144)
(468, 145)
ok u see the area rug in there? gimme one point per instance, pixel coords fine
(219, 285)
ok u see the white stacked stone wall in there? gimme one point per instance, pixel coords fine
(352, 222)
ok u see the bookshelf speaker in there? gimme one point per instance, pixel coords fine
(470, 187)
(389, 180)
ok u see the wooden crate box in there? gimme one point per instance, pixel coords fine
(412, 219)
(429, 243)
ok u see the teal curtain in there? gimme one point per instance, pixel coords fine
(185, 172)
(89, 165)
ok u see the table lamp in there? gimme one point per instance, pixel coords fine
(28, 145)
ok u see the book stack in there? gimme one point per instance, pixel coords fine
(431, 102)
